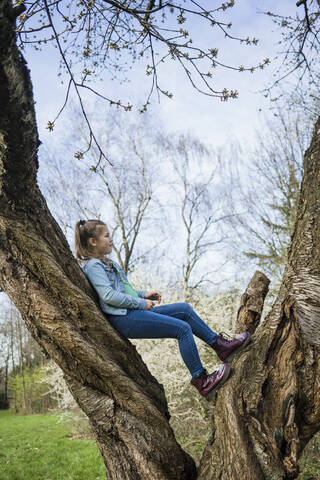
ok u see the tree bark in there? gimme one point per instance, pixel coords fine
(125, 404)
(270, 408)
(251, 304)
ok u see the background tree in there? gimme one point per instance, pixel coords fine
(20, 357)
(198, 205)
(300, 48)
(4, 370)
(122, 194)
(69, 189)
(129, 184)
(265, 192)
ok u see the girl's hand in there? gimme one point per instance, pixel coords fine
(149, 304)
(153, 296)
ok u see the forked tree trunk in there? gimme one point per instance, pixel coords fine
(265, 413)
(270, 408)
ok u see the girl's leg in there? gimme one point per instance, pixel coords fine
(148, 324)
(185, 312)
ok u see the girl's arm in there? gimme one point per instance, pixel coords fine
(101, 283)
(141, 293)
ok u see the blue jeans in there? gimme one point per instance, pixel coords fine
(177, 320)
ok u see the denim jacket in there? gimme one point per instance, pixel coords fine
(110, 288)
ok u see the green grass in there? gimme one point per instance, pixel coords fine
(37, 447)
(310, 460)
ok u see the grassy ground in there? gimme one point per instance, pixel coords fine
(36, 447)
(310, 460)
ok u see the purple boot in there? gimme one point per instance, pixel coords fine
(227, 349)
(207, 385)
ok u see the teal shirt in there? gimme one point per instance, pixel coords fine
(127, 285)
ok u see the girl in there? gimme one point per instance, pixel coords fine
(134, 314)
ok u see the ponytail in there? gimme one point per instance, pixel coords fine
(83, 230)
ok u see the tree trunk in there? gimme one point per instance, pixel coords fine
(6, 380)
(25, 399)
(13, 366)
(125, 404)
(270, 408)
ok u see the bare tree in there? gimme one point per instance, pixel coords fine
(19, 351)
(4, 368)
(300, 47)
(198, 204)
(121, 193)
(264, 192)
(130, 182)
(69, 188)
(25, 403)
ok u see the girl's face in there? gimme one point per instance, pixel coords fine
(102, 245)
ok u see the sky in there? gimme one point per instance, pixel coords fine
(208, 118)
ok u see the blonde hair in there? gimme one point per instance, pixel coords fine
(83, 230)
